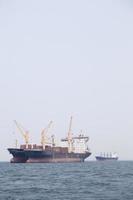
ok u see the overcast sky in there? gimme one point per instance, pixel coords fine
(61, 58)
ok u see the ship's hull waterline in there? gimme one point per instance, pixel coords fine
(43, 156)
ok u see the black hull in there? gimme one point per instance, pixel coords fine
(19, 155)
(43, 156)
(98, 158)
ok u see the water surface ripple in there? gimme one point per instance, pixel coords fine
(82, 181)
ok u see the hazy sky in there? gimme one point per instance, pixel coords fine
(61, 58)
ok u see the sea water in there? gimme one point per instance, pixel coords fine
(110, 180)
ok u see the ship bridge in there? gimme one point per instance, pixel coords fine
(78, 143)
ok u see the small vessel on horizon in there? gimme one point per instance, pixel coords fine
(107, 156)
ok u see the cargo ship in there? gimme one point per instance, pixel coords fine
(75, 149)
(107, 157)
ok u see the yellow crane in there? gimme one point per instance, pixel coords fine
(44, 134)
(24, 133)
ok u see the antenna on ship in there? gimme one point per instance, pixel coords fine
(44, 134)
(16, 143)
(53, 140)
(70, 135)
(24, 133)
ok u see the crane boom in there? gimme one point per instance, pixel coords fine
(44, 134)
(24, 133)
(19, 128)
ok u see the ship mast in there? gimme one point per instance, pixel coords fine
(24, 133)
(16, 143)
(70, 136)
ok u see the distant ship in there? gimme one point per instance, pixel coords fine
(76, 149)
(107, 156)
